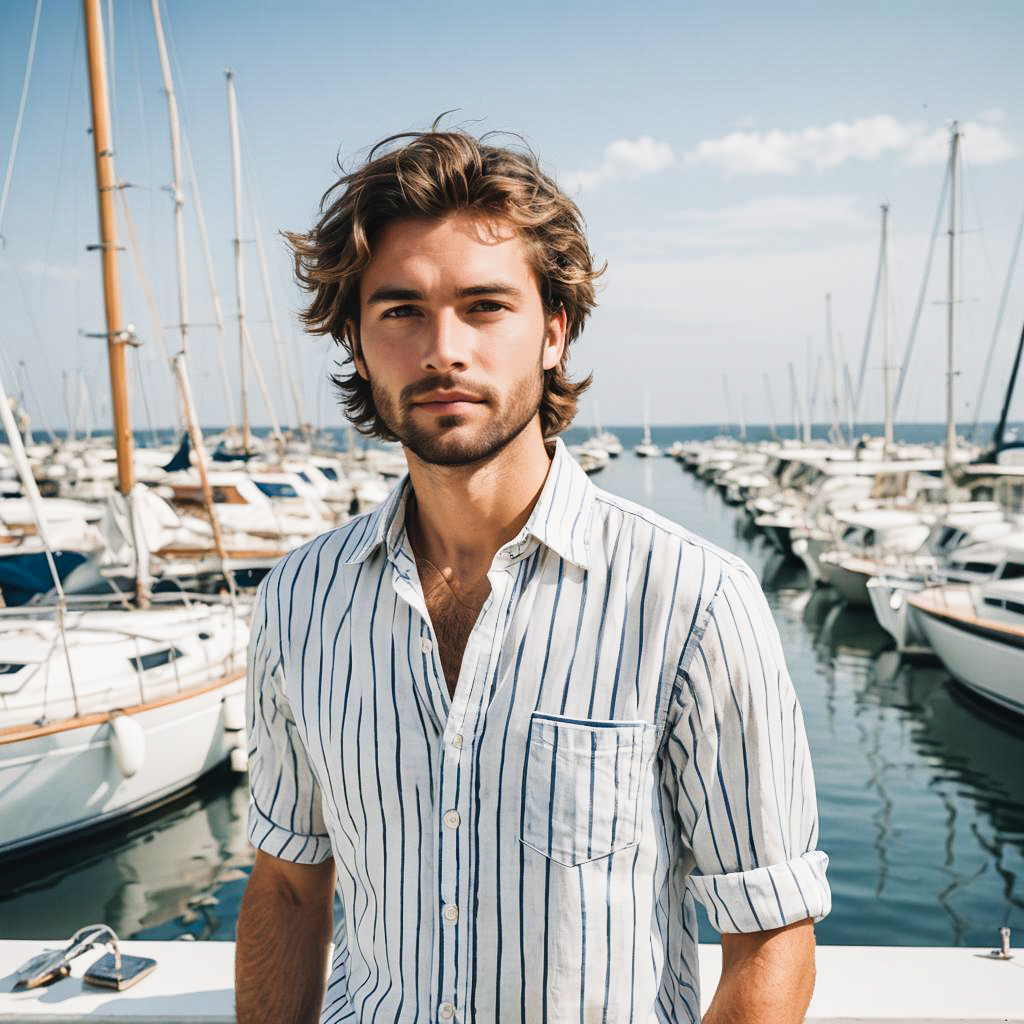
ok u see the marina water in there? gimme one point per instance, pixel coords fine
(920, 787)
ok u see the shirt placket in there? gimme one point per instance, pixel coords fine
(456, 826)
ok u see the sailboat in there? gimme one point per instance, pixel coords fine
(107, 709)
(647, 448)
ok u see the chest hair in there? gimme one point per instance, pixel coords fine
(453, 613)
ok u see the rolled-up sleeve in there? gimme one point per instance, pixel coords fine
(285, 808)
(738, 756)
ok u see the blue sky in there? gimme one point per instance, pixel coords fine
(730, 160)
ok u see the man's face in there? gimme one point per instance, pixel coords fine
(453, 336)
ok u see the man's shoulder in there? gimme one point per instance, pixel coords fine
(306, 562)
(652, 530)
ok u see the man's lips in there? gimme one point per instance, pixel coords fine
(447, 401)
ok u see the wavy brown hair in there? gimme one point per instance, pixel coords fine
(430, 175)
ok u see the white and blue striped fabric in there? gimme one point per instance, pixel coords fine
(624, 739)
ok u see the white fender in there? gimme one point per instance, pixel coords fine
(234, 712)
(128, 742)
(239, 760)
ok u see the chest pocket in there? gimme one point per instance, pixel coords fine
(582, 786)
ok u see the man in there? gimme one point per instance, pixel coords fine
(519, 724)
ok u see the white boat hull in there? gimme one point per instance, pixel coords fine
(986, 661)
(895, 614)
(848, 577)
(72, 776)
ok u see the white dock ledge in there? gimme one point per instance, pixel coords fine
(878, 984)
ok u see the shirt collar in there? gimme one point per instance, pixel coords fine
(560, 519)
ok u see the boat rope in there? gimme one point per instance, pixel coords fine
(920, 295)
(133, 240)
(21, 113)
(36, 505)
(997, 328)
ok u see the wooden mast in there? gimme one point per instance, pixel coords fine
(106, 183)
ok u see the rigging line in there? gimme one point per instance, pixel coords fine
(75, 76)
(218, 312)
(907, 352)
(288, 383)
(967, 173)
(870, 329)
(30, 387)
(20, 117)
(147, 291)
(1004, 298)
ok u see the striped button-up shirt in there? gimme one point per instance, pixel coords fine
(623, 740)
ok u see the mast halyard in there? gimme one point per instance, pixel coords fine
(236, 175)
(106, 183)
(176, 193)
(954, 216)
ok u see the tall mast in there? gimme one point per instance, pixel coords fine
(176, 193)
(106, 182)
(236, 172)
(771, 406)
(837, 430)
(887, 331)
(794, 398)
(954, 215)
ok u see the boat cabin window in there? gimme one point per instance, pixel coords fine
(329, 472)
(8, 668)
(276, 490)
(154, 659)
(982, 568)
(1015, 606)
(303, 475)
(1012, 571)
(993, 602)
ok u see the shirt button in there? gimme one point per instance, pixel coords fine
(446, 1011)
(451, 912)
(457, 741)
(452, 819)
(426, 644)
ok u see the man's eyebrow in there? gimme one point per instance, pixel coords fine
(491, 288)
(391, 293)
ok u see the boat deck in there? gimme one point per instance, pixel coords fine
(879, 984)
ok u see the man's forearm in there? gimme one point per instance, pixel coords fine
(280, 958)
(767, 977)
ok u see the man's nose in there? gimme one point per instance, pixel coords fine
(447, 344)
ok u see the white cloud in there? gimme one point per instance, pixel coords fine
(983, 143)
(625, 160)
(745, 224)
(820, 148)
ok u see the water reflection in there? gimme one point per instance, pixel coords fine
(921, 788)
(169, 865)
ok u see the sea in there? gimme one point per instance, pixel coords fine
(920, 785)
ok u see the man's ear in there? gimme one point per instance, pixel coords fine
(352, 333)
(554, 339)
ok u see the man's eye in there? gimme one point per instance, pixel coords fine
(400, 312)
(486, 306)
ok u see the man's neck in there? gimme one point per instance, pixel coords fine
(463, 514)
